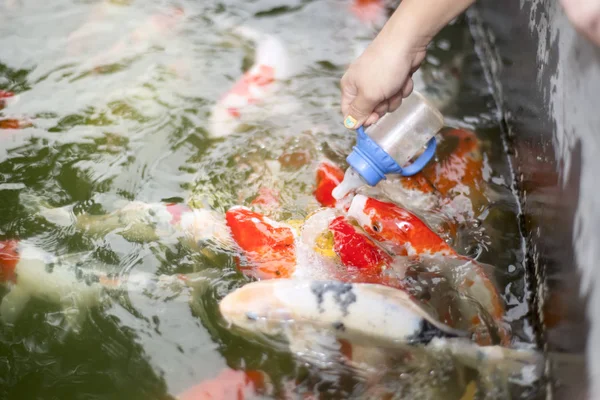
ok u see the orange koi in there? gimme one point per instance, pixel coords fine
(12, 123)
(464, 164)
(228, 385)
(460, 162)
(328, 177)
(392, 225)
(269, 247)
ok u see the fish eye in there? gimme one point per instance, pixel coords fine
(376, 227)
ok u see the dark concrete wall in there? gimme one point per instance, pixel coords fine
(547, 83)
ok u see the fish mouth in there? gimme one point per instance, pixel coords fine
(356, 210)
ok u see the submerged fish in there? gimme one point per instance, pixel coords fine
(30, 272)
(366, 314)
(370, 11)
(229, 385)
(271, 66)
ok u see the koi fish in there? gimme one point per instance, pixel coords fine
(364, 260)
(228, 385)
(368, 263)
(13, 123)
(328, 177)
(271, 65)
(33, 273)
(139, 221)
(267, 199)
(369, 11)
(396, 228)
(375, 320)
(29, 272)
(362, 313)
(463, 164)
(5, 94)
(268, 246)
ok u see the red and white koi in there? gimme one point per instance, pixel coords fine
(271, 66)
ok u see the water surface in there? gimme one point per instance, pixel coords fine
(118, 117)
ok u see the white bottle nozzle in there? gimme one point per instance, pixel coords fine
(352, 180)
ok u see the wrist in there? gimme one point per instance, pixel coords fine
(415, 22)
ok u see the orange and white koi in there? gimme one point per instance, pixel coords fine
(15, 123)
(6, 94)
(405, 234)
(401, 231)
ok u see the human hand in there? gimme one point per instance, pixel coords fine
(379, 79)
(585, 16)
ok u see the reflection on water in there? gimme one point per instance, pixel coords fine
(112, 103)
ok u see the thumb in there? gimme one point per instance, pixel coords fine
(359, 110)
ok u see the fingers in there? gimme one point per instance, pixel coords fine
(359, 110)
(374, 117)
(349, 92)
(408, 88)
(395, 102)
(382, 108)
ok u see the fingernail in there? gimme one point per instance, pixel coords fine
(350, 122)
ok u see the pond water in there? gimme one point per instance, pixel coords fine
(112, 104)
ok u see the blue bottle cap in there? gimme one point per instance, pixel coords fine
(372, 163)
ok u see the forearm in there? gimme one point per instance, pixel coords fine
(416, 22)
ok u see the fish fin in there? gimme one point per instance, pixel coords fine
(317, 346)
(62, 216)
(13, 304)
(59, 216)
(525, 362)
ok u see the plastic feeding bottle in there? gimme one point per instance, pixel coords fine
(388, 145)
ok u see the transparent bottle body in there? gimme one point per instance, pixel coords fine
(406, 131)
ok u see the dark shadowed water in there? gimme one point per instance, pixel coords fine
(109, 116)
